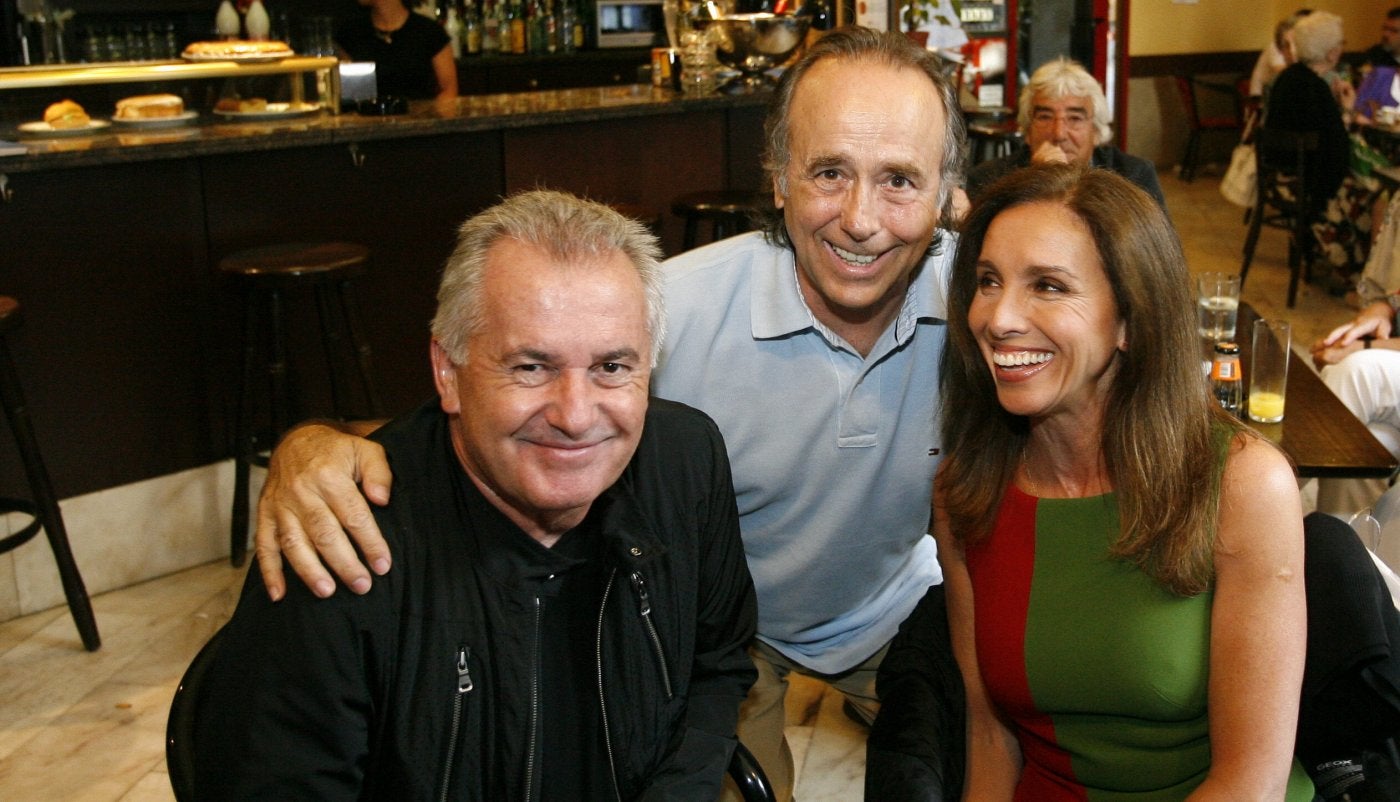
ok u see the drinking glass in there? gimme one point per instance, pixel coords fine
(1217, 305)
(1268, 374)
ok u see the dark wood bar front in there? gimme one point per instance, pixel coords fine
(128, 353)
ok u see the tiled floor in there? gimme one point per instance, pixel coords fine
(78, 726)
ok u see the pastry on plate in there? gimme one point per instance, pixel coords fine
(149, 107)
(66, 114)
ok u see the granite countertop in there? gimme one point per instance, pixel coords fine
(213, 134)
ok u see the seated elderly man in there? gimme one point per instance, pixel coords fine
(1064, 117)
(569, 609)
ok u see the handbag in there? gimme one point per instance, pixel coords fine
(1238, 185)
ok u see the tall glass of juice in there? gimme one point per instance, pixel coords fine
(1268, 375)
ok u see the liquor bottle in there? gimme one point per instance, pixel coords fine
(471, 29)
(567, 21)
(534, 27)
(580, 28)
(452, 26)
(1226, 382)
(516, 17)
(490, 27)
(551, 27)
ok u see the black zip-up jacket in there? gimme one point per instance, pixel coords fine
(425, 687)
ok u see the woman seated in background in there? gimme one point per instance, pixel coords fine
(411, 53)
(1123, 560)
(1277, 56)
(1308, 97)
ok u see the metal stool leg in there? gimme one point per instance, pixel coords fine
(46, 502)
(364, 357)
(243, 447)
(331, 340)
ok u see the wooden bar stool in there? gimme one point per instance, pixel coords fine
(728, 212)
(264, 275)
(43, 504)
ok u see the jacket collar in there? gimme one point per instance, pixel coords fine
(512, 557)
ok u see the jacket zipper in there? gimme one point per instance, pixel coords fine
(644, 607)
(533, 743)
(602, 699)
(464, 687)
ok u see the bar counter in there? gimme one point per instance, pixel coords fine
(211, 134)
(129, 350)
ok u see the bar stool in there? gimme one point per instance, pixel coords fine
(728, 212)
(646, 215)
(264, 274)
(43, 507)
(992, 138)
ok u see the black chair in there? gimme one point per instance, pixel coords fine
(743, 769)
(1231, 120)
(991, 138)
(42, 504)
(1349, 716)
(267, 276)
(1283, 200)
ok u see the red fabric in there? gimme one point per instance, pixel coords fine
(1002, 568)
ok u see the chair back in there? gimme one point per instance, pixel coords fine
(1283, 163)
(1228, 118)
(1283, 200)
(179, 727)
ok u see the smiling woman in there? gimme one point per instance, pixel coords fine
(1088, 472)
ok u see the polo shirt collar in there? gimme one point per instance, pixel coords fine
(779, 309)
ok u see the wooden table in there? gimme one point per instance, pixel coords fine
(1317, 432)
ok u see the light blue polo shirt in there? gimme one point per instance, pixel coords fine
(833, 453)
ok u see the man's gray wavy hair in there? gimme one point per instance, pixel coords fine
(570, 229)
(1062, 78)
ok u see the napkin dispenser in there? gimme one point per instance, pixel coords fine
(630, 23)
(357, 82)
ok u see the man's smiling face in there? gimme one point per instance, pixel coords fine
(862, 185)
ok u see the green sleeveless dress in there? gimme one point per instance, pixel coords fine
(1102, 673)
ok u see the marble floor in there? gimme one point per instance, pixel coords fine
(79, 726)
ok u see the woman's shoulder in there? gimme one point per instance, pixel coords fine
(422, 28)
(1256, 461)
(1258, 490)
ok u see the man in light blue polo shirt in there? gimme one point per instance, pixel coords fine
(815, 347)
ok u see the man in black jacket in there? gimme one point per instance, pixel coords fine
(569, 606)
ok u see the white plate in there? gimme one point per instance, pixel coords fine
(251, 58)
(274, 111)
(44, 129)
(156, 122)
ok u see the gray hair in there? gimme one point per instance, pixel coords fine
(1316, 35)
(1061, 78)
(570, 229)
(855, 43)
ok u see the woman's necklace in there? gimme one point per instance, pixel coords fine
(386, 35)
